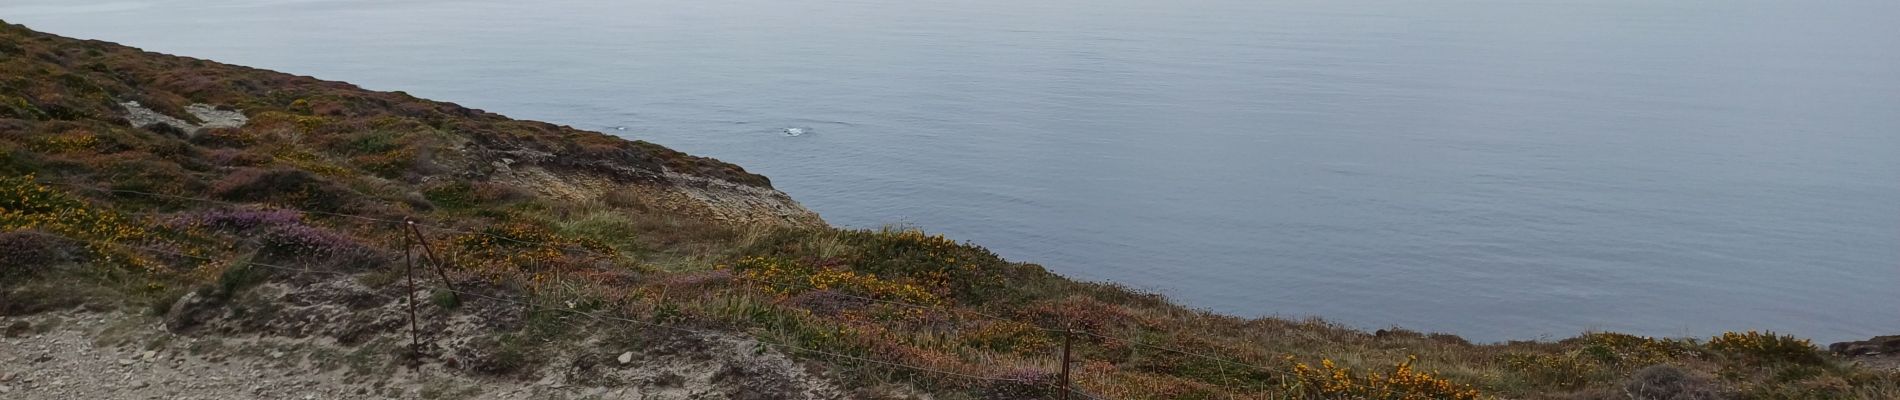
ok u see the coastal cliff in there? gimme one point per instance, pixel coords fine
(355, 136)
(183, 228)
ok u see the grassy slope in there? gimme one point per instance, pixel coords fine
(330, 147)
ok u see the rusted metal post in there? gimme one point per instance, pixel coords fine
(429, 251)
(415, 333)
(1065, 364)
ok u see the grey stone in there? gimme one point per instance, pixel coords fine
(1877, 345)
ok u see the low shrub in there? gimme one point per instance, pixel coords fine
(1077, 312)
(367, 142)
(239, 219)
(1009, 336)
(315, 163)
(1767, 347)
(64, 143)
(287, 187)
(452, 195)
(792, 277)
(167, 130)
(236, 278)
(235, 158)
(1664, 382)
(128, 171)
(1554, 370)
(27, 204)
(388, 165)
(946, 269)
(608, 227)
(23, 252)
(828, 303)
(226, 138)
(1628, 351)
(304, 243)
(1403, 382)
(455, 195)
(1021, 384)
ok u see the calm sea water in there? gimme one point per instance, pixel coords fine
(1501, 169)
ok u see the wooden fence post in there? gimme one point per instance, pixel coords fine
(415, 334)
(429, 250)
(1066, 338)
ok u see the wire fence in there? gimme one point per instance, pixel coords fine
(1225, 361)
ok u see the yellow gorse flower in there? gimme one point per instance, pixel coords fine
(1403, 382)
(27, 204)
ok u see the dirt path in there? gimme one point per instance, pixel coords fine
(114, 356)
(76, 355)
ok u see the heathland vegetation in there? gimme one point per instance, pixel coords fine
(536, 224)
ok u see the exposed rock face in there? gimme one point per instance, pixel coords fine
(671, 192)
(1877, 346)
(728, 201)
(213, 118)
(1880, 352)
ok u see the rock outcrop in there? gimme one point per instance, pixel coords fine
(1871, 347)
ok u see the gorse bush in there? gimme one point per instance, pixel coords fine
(1403, 382)
(1622, 350)
(947, 270)
(965, 272)
(1596, 357)
(1009, 336)
(1767, 347)
(392, 164)
(788, 277)
(67, 142)
(27, 204)
(1559, 371)
(527, 250)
